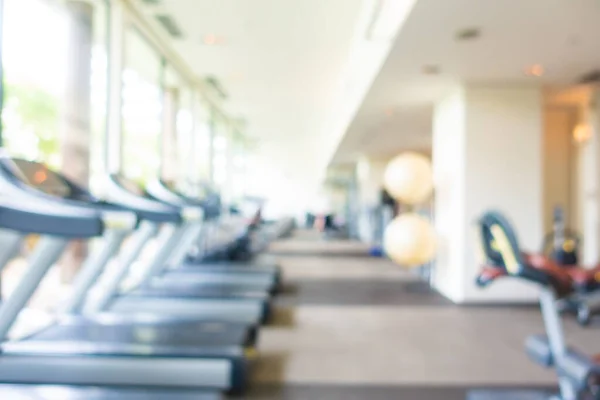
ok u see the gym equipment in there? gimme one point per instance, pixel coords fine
(584, 301)
(561, 245)
(249, 275)
(172, 243)
(154, 217)
(240, 227)
(578, 374)
(99, 349)
(408, 178)
(379, 217)
(410, 240)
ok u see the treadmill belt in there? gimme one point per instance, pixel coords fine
(201, 291)
(508, 395)
(52, 392)
(200, 334)
(398, 391)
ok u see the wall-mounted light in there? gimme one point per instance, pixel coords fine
(582, 133)
(212, 39)
(535, 70)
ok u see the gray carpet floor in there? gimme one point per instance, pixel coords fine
(361, 328)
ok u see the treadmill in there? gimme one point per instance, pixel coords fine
(102, 349)
(227, 273)
(58, 392)
(170, 226)
(235, 303)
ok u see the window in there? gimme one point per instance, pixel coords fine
(142, 109)
(239, 155)
(220, 162)
(202, 138)
(38, 60)
(35, 74)
(178, 127)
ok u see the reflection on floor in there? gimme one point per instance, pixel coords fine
(357, 327)
(385, 392)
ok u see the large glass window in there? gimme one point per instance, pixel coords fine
(202, 138)
(239, 153)
(220, 163)
(185, 140)
(178, 125)
(34, 57)
(142, 109)
(36, 117)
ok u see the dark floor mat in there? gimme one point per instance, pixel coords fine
(355, 392)
(354, 292)
(321, 253)
(484, 394)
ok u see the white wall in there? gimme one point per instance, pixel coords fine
(504, 172)
(487, 154)
(589, 187)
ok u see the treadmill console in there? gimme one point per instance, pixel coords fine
(129, 185)
(38, 176)
(173, 187)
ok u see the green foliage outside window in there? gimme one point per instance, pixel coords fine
(31, 123)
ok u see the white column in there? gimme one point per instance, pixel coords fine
(369, 174)
(449, 164)
(487, 154)
(75, 140)
(116, 46)
(169, 157)
(589, 185)
(75, 143)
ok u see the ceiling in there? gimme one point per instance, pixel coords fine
(279, 61)
(396, 113)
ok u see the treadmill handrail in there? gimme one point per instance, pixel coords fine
(14, 186)
(26, 216)
(189, 211)
(58, 224)
(159, 190)
(145, 207)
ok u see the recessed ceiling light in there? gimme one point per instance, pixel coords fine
(534, 70)
(431, 69)
(212, 40)
(468, 34)
(236, 76)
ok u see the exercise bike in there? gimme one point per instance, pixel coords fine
(562, 246)
(578, 374)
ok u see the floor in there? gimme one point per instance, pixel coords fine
(354, 327)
